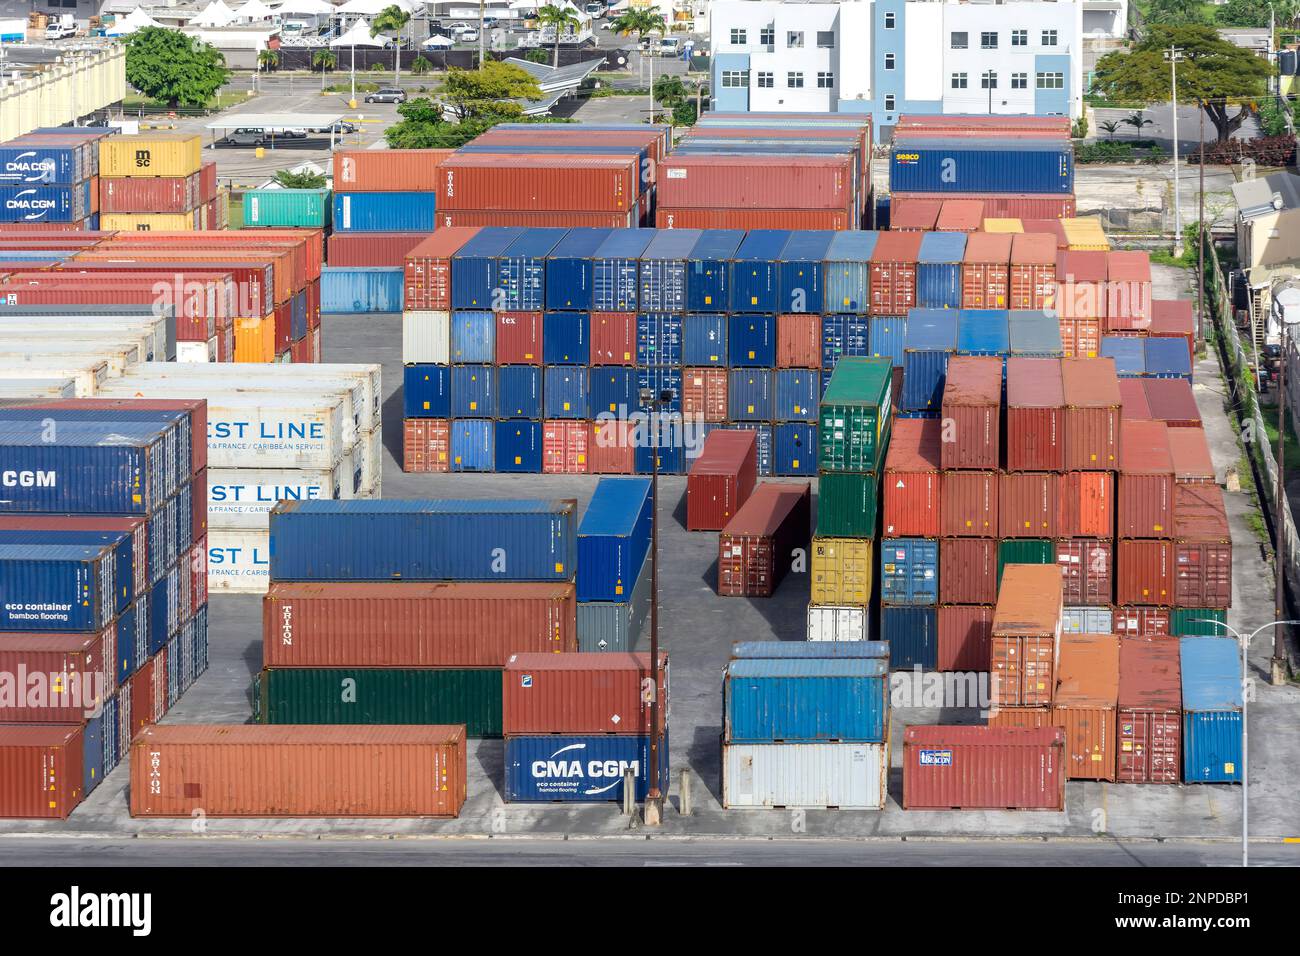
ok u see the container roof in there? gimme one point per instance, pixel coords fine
(760, 667)
(1149, 675)
(1211, 671)
(915, 445)
(747, 650)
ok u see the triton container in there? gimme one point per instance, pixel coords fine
(755, 548)
(983, 768)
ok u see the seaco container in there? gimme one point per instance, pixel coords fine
(1087, 686)
(843, 776)
(754, 548)
(1035, 415)
(1212, 704)
(721, 480)
(983, 768)
(613, 539)
(968, 165)
(847, 271)
(241, 770)
(911, 479)
(1202, 548)
(593, 693)
(42, 770)
(1149, 712)
(573, 768)
(972, 413)
(985, 271)
(1092, 414)
(854, 416)
(809, 700)
(1025, 636)
(931, 341)
(893, 273)
(1146, 481)
(427, 540)
(939, 270)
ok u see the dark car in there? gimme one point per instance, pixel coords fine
(387, 95)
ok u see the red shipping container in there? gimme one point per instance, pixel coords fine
(72, 675)
(319, 771)
(1149, 712)
(1020, 717)
(251, 269)
(538, 181)
(1081, 283)
(1084, 707)
(41, 766)
(650, 139)
(1087, 570)
(755, 548)
(530, 218)
(686, 217)
(798, 340)
(592, 693)
(968, 570)
(196, 321)
(613, 338)
(208, 182)
(519, 338)
(704, 394)
(388, 170)
(410, 624)
(696, 180)
(149, 693)
(972, 413)
(1087, 504)
(1005, 205)
(289, 251)
(1032, 275)
(964, 634)
(1133, 395)
(252, 284)
(1028, 505)
(1128, 290)
(611, 450)
(426, 445)
(962, 126)
(985, 271)
(300, 351)
(1092, 414)
(313, 307)
(375, 249)
(1202, 548)
(1144, 572)
(1035, 415)
(969, 504)
(1132, 621)
(155, 194)
(1173, 318)
(721, 479)
(564, 447)
(911, 481)
(283, 327)
(1190, 454)
(1172, 402)
(1051, 227)
(427, 279)
(893, 273)
(919, 216)
(956, 215)
(1026, 631)
(1146, 481)
(983, 768)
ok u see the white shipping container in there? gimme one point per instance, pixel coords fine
(88, 374)
(197, 351)
(833, 622)
(370, 451)
(59, 341)
(118, 356)
(153, 332)
(1087, 620)
(426, 338)
(242, 498)
(239, 561)
(769, 776)
(38, 388)
(315, 345)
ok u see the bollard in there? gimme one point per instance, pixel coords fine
(629, 792)
(684, 801)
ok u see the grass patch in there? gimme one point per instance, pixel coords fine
(1269, 414)
(223, 100)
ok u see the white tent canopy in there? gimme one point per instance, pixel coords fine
(368, 8)
(137, 19)
(359, 35)
(319, 7)
(438, 40)
(254, 10)
(215, 14)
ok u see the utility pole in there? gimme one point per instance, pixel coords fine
(482, 14)
(1277, 666)
(1173, 55)
(1202, 237)
(654, 810)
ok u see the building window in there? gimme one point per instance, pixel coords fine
(732, 79)
(959, 40)
(767, 36)
(1051, 81)
(825, 39)
(988, 80)
(959, 81)
(794, 81)
(889, 21)
(794, 40)
(889, 102)
(1020, 81)
(988, 40)
(739, 37)
(889, 61)
(1049, 38)
(825, 81)
(766, 80)
(1020, 38)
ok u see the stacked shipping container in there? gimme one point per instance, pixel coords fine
(158, 183)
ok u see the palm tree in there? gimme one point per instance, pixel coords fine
(1110, 126)
(266, 59)
(560, 18)
(643, 22)
(324, 60)
(392, 20)
(1137, 121)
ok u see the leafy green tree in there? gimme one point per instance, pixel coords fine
(488, 91)
(684, 114)
(643, 22)
(1218, 74)
(268, 59)
(671, 90)
(1137, 121)
(303, 180)
(392, 20)
(536, 56)
(1255, 13)
(561, 18)
(1175, 13)
(324, 60)
(174, 68)
(420, 66)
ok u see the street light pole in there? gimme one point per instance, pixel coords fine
(1200, 235)
(653, 797)
(1277, 666)
(1173, 55)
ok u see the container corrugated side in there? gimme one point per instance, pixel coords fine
(983, 768)
(579, 768)
(594, 693)
(844, 776)
(40, 771)
(769, 701)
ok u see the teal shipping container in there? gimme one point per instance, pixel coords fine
(288, 208)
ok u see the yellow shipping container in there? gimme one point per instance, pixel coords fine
(150, 221)
(841, 571)
(1003, 225)
(255, 339)
(162, 154)
(1085, 233)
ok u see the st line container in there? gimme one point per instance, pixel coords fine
(893, 270)
(799, 271)
(569, 269)
(938, 270)
(573, 768)
(590, 693)
(663, 270)
(616, 270)
(1202, 548)
(911, 479)
(1212, 704)
(475, 268)
(909, 571)
(708, 270)
(972, 403)
(380, 540)
(390, 695)
(42, 769)
(843, 776)
(384, 212)
(754, 271)
(1146, 481)
(1026, 633)
(983, 768)
(755, 548)
(243, 770)
(853, 424)
(811, 700)
(1149, 712)
(1087, 686)
(931, 341)
(985, 271)
(721, 480)
(613, 538)
(847, 274)
(962, 165)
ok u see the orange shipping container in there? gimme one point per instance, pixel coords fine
(1026, 634)
(704, 394)
(985, 271)
(387, 170)
(611, 450)
(41, 770)
(426, 445)
(1080, 337)
(798, 341)
(564, 447)
(255, 339)
(1144, 572)
(969, 504)
(1149, 712)
(1087, 689)
(537, 181)
(1032, 277)
(1020, 717)
(1087, 504)
(1027, 505)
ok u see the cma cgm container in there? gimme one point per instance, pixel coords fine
(41, 160)
(1212, 709)
(721, 479)
(385, 212)
(847, 272)
(754, 549)
(931, 342)
(573, 768)
(981, 165)
(1149, 712)
(318, 771)
(593, 693)
(423, 540)
(1092, 414)
(1087, 686)
(44, 203)
(810, 700)
(42, 766)
(939, 270)
(972, 402)
(613, 539)
(844, 776)
(854, 416)
(983, 768)
(1026, 633)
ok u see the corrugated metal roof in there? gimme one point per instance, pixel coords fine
(1256, 197)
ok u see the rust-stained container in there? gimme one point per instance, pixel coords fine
(1026, 634)
(1171, 401)
(704, 394)
(540, 218)
(702, 180)
(1144, 573)
(388, 170)
(721, 479)
(1003, 205)
(1092, 414)
(754, 549)
(375, 250)
(611, 449)
(1190, 453)
(688, 217)
(1035, 415)
(1020, 717)
(1028, 505)
(613, 338)
(592, 693)
(1087, 570)
(911, 484)
(427, 265)
(983, 768)
(566, 447)
(969, 504)
(1087, 504)
(956, 215)
(964, 632)
(538, 181)
(410, 624)
(892, 273)
(1128, 290)
(1140, 621)
(1087, 688)
(1149, 712)
(921, 215)
(972, 413)
(968, 570)
(519, 338)
(1032, 275)
(1146, 481)
(1202, 548)
(155, 194)
(40, 770)
(71, 675)
(798, 340)
(985, 271)
(267, 770)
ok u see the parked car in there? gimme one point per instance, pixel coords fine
(388, 94)
(670, 46)
(297, 133)
(339, 128)
(246, 136)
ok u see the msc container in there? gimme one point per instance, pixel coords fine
(224, 770)
(1032, 276)
(708, 270)
(566, 768)
(843, 776)
(831, 624)
(43, 770)
(794, 449)
(356, 289)
(1087, 687)
(985, 271)
(566, 338)
(911, 479)
(721, 479)
(704, 339)
(972, 404)
(968, 570)
(962, 637)
(841, 570)
(983, 768)
(813, 700)
(305, 208)
(1092, 414)
(893, 270)
(939, 270)
(1146, 481)
(385, 212)
(616, 270)
(581, 693)
(971, 165)
(910, 633)
(1149, 712)
(854, 416)
(751, 340)
(427, 268)
(388, 170)
(846, 504)
(909, 571)
(847, 272)
(1212, 704)
(754, 279)
(754, 549)
(1202, 548)
(1026, 633)
(517, 446)
(931, 342)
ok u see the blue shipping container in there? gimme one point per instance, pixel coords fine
(616, 270)
(564, 392)
(983, 332)
(931, 340)
(426, 391)
(663, 270)
(787, 650)
(798, 391)
(566, 338)
(476, 270)
(521, 270)
(750, 395)
(613, 539)
(981, 166)
(751, 340)
(662, 379)
(59, 587)
(844, 335)
(385, 212)
(754, 281)
(1168, 358)
(92, 752)
(518, 445)
(909, 571)
(32, 164)
(473, 337)
(1128, 354)
(347, 289)
(848, 272)
(671, 457)
(911, 633)
(704, 339)
(579, 769)
(519, 392)
(569, 269)
(611, 388)
(938, 270)
(708, 268)
(298, 316)
(1211, 675)
(810, 700)
(473, 391)
(889, 338)
(658, 338)
(796, 449)
(1034, 333)
(799, 271)
(41, 203)
(764, 443)
(424, 540)
(119, 544)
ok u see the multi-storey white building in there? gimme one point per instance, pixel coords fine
(887, 57)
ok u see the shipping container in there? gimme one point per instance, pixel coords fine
(389, 170)
(1145, 572)
(939, 270)
(1087, 570)
(854, 416)
(847, 272)
(708, 278)
(519, 391)
(589, 693)
(614, 339)
(517, 446)
(476, 281)
(1128, 354)
(42, 160)
(751, 394)
(473, 391)
(754, 549)
(1211, 672)
(1028, 505)
(663, 270)
(841, 571)
(1092, 414)
(566, 768)
(798, 341)
(305, 208)
(43, 770)
(983, 768)
(704, 394)
(969, 503)
(968, 164)
(616, 270)
(799, 271)
(426, 445)
(566, 338)
(756, 182)
(389, 249)
(614, 538)
(971, 410)
(1128, 290)
(1202, 548)
(954, 125)
(1032, 276)
(358, 289)
(832, 627)
(1034, 333)
(812, 700)
(385, 212)
(1146, 481)
(931, 341)
(846, 504)
(909, 571)
(426, 391)
(1196, 622)
(658, 339)
(1087, 620)
(1035, 415)
(969, 570)
(564, 392)
(845, 335)
(794, 449)
(893, 273)
(911, 633)
(889, 339)
(1170, 401)
(157, 154)
(963, 633)
(911, 479)
(613, 391)
(751, 340)
(1084, 705)
(473, 337)
(539, 181)
(1190, 453)
(916, 216)
(1149, 712)
(984, 332)
(427, 267)
(1026, 632)
(721, 479)
(704, 339)
(1166, 358)
(754, 271)
(985, 278)
(842, 776)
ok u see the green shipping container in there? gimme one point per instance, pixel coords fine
(469, 696)
(1024, 551)
(1194, 622)
(302, 208)
(846, 505)
(854, 415)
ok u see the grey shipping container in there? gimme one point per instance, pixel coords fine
(604, 626)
